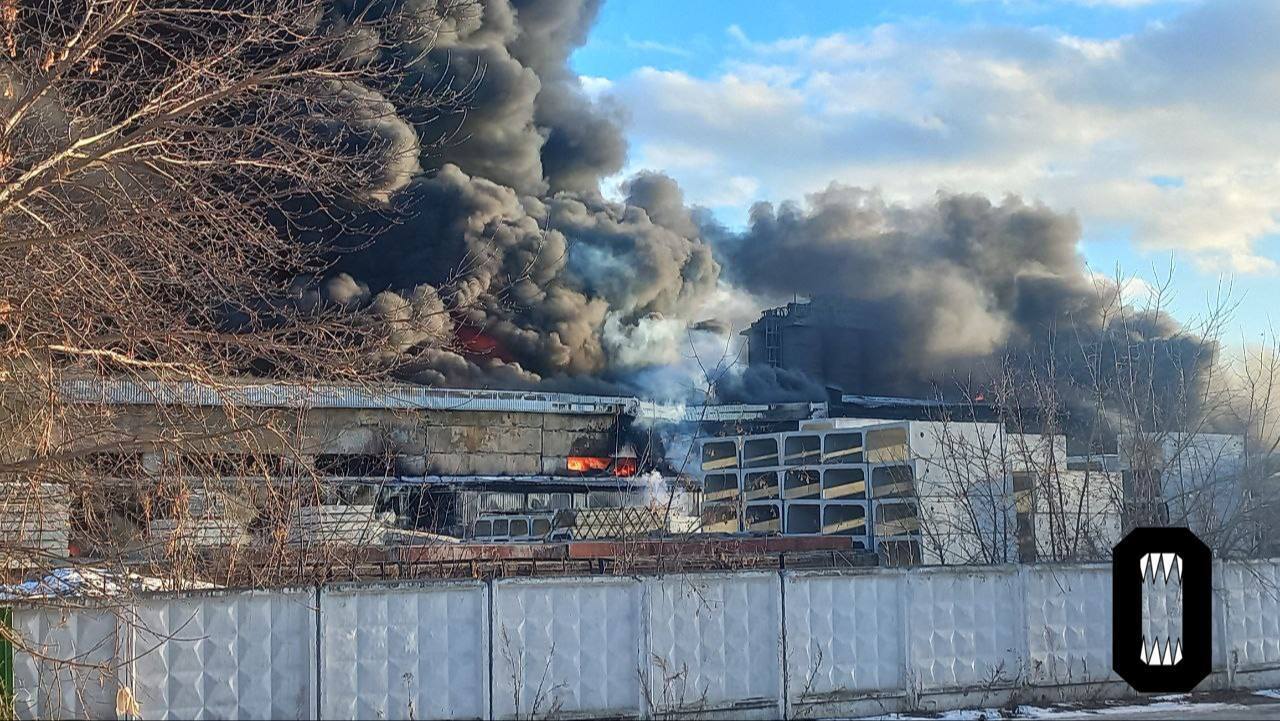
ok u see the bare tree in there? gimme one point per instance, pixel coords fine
(174, 176)
(1172, 439)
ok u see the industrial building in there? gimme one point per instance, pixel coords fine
(410, 467)
(938, 492)
(817, 338)
(394, 461)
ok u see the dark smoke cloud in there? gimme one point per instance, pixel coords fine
(960, 291)
(958, 278)
(507, 267)
(776, 385)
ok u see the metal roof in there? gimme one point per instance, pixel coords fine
(406, 397)
(327, 395)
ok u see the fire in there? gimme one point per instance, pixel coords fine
(622, 466)
(474, 342)
(582, 464)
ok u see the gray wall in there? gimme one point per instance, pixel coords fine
(795, 644)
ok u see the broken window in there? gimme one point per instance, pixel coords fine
(842, 448)
(719, 456)
(844, 483)
(760, 453)
(802, 450)
(354, 465)
(893, 482)
(887, 445)
(541, 527)
(802, 483)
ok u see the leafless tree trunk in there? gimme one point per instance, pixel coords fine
(162, 166)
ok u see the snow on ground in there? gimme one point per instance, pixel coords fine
(1268, 692)
(1169, 706)
(87, 583)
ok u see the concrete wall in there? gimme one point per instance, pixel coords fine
(720, 645)
(423, 442)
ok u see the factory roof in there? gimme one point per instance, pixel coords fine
(267, 394)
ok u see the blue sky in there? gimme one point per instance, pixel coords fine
(1156, 123)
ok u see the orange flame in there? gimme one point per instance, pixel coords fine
(585, 464)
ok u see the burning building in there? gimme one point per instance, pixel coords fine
(387, 461)
(405, 465)
(818, 338)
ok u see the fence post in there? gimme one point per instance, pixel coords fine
(910, 695)
(318, 665)
(1221, 609)
(491, 603)
(646, 644)
(1024, 653)
(785, 701)
(7, 710)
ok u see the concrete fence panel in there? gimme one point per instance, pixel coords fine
(71, 670)
(1068, 624)
(808, 644)
(225, 655)
(715, 644)
(1250, 598)
(962, 628)
(404, 651)
(845, 641)
(567, 647)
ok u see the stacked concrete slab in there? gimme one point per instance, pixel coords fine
(35, 519)
(212, 518)
(339, 525)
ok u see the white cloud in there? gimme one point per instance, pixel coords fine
(1081, 124)
(594, 86)
(652, 46)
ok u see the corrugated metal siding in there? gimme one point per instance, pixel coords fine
(566, 647)
(844, 635)
(961, 629)
(715, 642)
(1069, 624)
(405, 652)
(237, 655)
(50, 688)
(1251, 594)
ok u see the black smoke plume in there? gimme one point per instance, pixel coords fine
(961, 294)
(505, 265)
